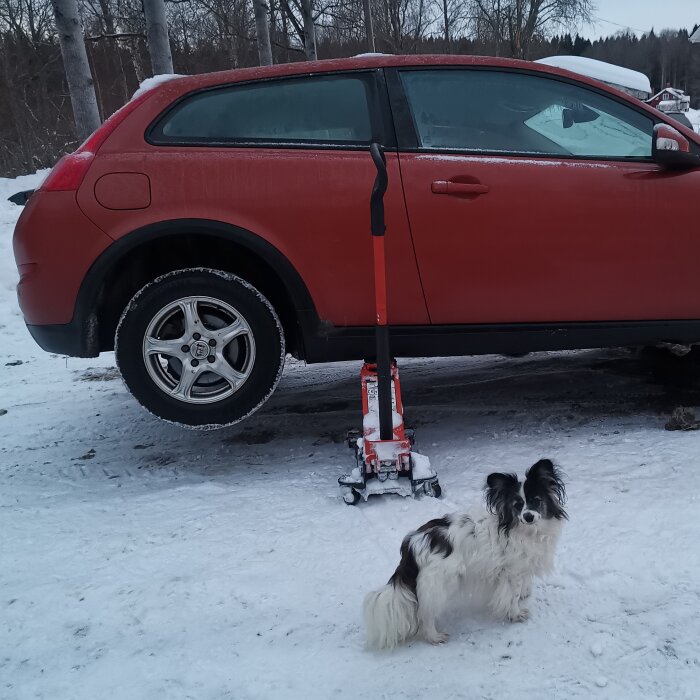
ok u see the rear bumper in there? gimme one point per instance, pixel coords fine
(54, 245)
(77, 338)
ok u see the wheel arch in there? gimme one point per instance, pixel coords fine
(142, 255)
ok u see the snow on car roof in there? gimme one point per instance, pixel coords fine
(600, 70)
(154, 82)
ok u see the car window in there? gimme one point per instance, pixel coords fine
(508, 112)
(319, 109)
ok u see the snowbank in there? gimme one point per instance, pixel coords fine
(600, 70)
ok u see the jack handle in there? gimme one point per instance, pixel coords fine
(376, 202)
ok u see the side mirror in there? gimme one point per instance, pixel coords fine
(671, 148)
(577, 114)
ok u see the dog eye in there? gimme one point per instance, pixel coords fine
(518, 503)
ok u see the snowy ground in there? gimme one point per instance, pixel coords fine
(142, 561)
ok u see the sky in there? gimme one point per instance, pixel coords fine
(640, 16)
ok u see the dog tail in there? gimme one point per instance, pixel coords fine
(391, 615)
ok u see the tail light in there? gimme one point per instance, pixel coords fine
(69, 172)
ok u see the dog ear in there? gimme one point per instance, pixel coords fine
(499, 489)
(552, 479)
(499, 482)
(544, 466)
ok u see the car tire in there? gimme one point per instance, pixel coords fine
(200, 347)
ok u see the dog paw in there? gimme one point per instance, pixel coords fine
(519, 615)
(437, 638)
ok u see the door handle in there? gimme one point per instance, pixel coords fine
(450, 187)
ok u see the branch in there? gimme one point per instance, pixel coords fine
(117, 37)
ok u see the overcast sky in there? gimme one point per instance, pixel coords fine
(641, 15)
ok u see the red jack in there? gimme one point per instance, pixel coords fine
(385, 462)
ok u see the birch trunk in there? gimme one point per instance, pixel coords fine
(75, 61)
(157, 37)
(262, 32)
(309, 30)
(369, 27)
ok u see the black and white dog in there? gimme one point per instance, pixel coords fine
(497, 551)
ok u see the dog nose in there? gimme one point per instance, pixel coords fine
(529, 517)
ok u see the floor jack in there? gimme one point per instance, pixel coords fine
(385, 462)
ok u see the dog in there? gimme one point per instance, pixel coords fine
(497, 551)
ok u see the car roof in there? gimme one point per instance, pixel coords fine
(170, 90)
(363, 62)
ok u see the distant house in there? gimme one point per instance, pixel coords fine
(670, 100)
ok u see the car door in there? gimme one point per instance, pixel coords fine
(533, 198)
(286, 159)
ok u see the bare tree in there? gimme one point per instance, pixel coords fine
(369, 28)
(517, 22)
(307, 13)
(300, 13)
(262, 32)
(401, 24)
(157, 36)
(75, 60)
(451, 15)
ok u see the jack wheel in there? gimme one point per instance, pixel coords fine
(433, 490)
(351, 497)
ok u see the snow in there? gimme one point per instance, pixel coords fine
(694, 118)
(142, 561)
(500, 160)
(600, 70)
(154, 82)
(421, 466)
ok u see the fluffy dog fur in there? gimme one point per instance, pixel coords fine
(497, 551)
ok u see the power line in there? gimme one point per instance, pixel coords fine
(622, 26)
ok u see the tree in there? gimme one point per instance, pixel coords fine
(516, 23)
(75, 61)
(401, 24)
(157, 36)
(301, 15)
(262, 32)
(369, 28)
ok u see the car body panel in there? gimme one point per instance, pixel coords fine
(597, 259)
(548, 242)
(310, 205)
(53, 259)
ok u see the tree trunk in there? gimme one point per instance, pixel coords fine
(157, 37)
(285, 33)
(75, 61)
(262, 31)
(447, 25)
(309, 30)
(369, 27)
(137, 64)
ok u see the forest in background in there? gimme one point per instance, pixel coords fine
(36, 120)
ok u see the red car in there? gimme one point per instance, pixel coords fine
(220, 221)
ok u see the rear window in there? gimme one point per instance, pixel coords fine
(315, 109)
